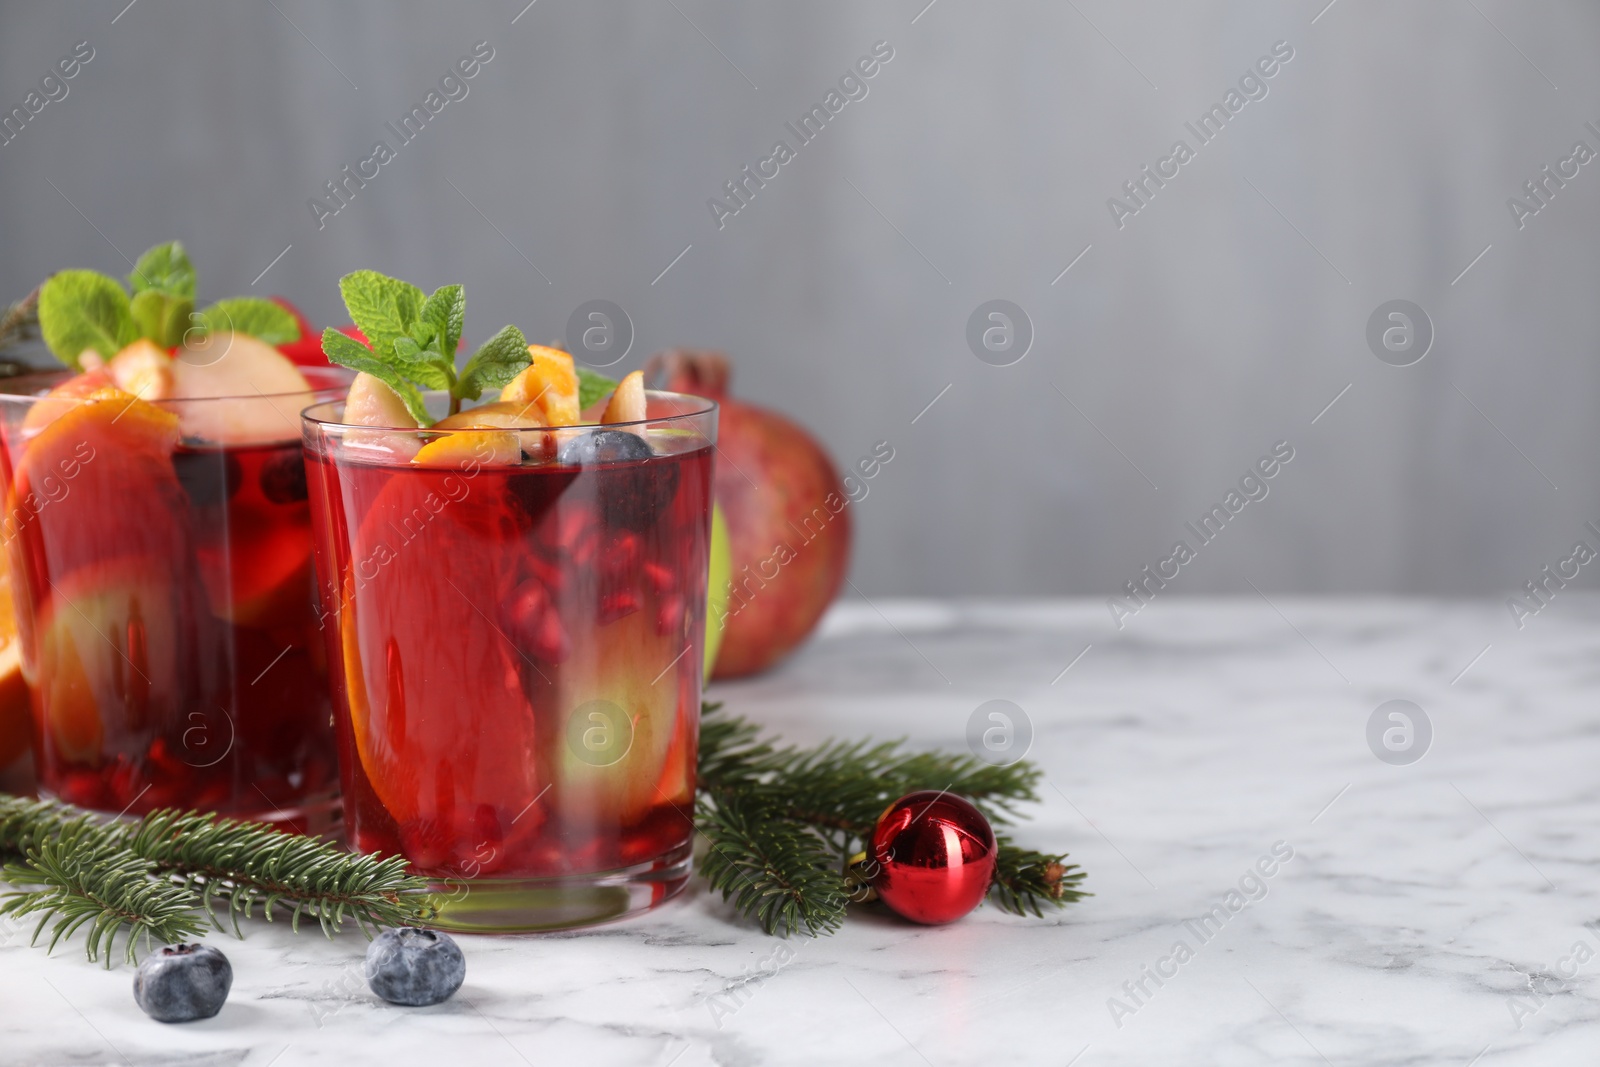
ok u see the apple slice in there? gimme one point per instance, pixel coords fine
(371, 402)
(143, 370)
(627, 402)
(274, 587)
(549, 384)
(438, 717)
(627, 668)
(266, 391)
(113, 655)
(106, 649)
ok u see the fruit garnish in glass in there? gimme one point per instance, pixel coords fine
(158, 537)
(516, 592)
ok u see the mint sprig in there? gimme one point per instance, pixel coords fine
(84, 309)
(270, 322)
(81, 309)
(165, 269)
(412, 339)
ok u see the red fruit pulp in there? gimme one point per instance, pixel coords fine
(516, 658)
(164, 608)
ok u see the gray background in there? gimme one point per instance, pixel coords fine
(1221, 319)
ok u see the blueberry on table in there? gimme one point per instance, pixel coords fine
(181, 983)
(604, 446)
(414, 967)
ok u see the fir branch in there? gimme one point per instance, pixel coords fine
(845, 786)
(153, 875)
(84, 877)
(842, 787)
(778, 820)
(241, 864)
(760, 801)
(1026, 882)
(24, 823)
(775, 871)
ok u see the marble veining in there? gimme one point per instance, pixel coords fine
(1437, 912)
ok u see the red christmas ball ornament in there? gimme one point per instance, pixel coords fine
(931, 857)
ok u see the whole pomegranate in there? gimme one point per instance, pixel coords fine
(787, 513)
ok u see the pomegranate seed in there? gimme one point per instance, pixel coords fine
(618, 605)
(660, 577)
(621, 555)
(535, 624)
(547, 573)
(670, 617)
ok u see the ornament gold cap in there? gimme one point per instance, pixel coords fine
(858, 874)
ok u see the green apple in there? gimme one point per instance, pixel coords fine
(717, 586)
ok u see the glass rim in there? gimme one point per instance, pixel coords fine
(309, 418)
(333, 378)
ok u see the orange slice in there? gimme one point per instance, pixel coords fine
(549, 384)
(16, 718)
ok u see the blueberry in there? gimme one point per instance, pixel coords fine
(283, 478)
(210, 477)
(604, 446)
(414, 967)
(630, 496)
(181, 983)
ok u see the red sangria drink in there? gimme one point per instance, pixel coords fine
(514, 602)
(160, 559)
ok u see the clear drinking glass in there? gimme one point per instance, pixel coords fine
(515, 622)
(160, 559)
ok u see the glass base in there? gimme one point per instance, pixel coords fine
(521, 905)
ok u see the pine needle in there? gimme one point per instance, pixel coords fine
(158, 875)
(766, 808)
(241, 864)
(85, 878)
(1025, 882)
(776, 872)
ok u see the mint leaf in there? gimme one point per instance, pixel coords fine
(383, 307)
(348, 352)
(500, 359)
(423, 365)
(165, 268)
(161, 316)
(263, 319)
(81, 309)
(591, 387)
(445, 311)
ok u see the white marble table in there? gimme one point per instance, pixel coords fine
(1429, 913)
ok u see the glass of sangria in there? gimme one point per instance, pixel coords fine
(160, 560)
(515, 617)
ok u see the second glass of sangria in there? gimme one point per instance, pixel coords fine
(157, 533)
(514, 601)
